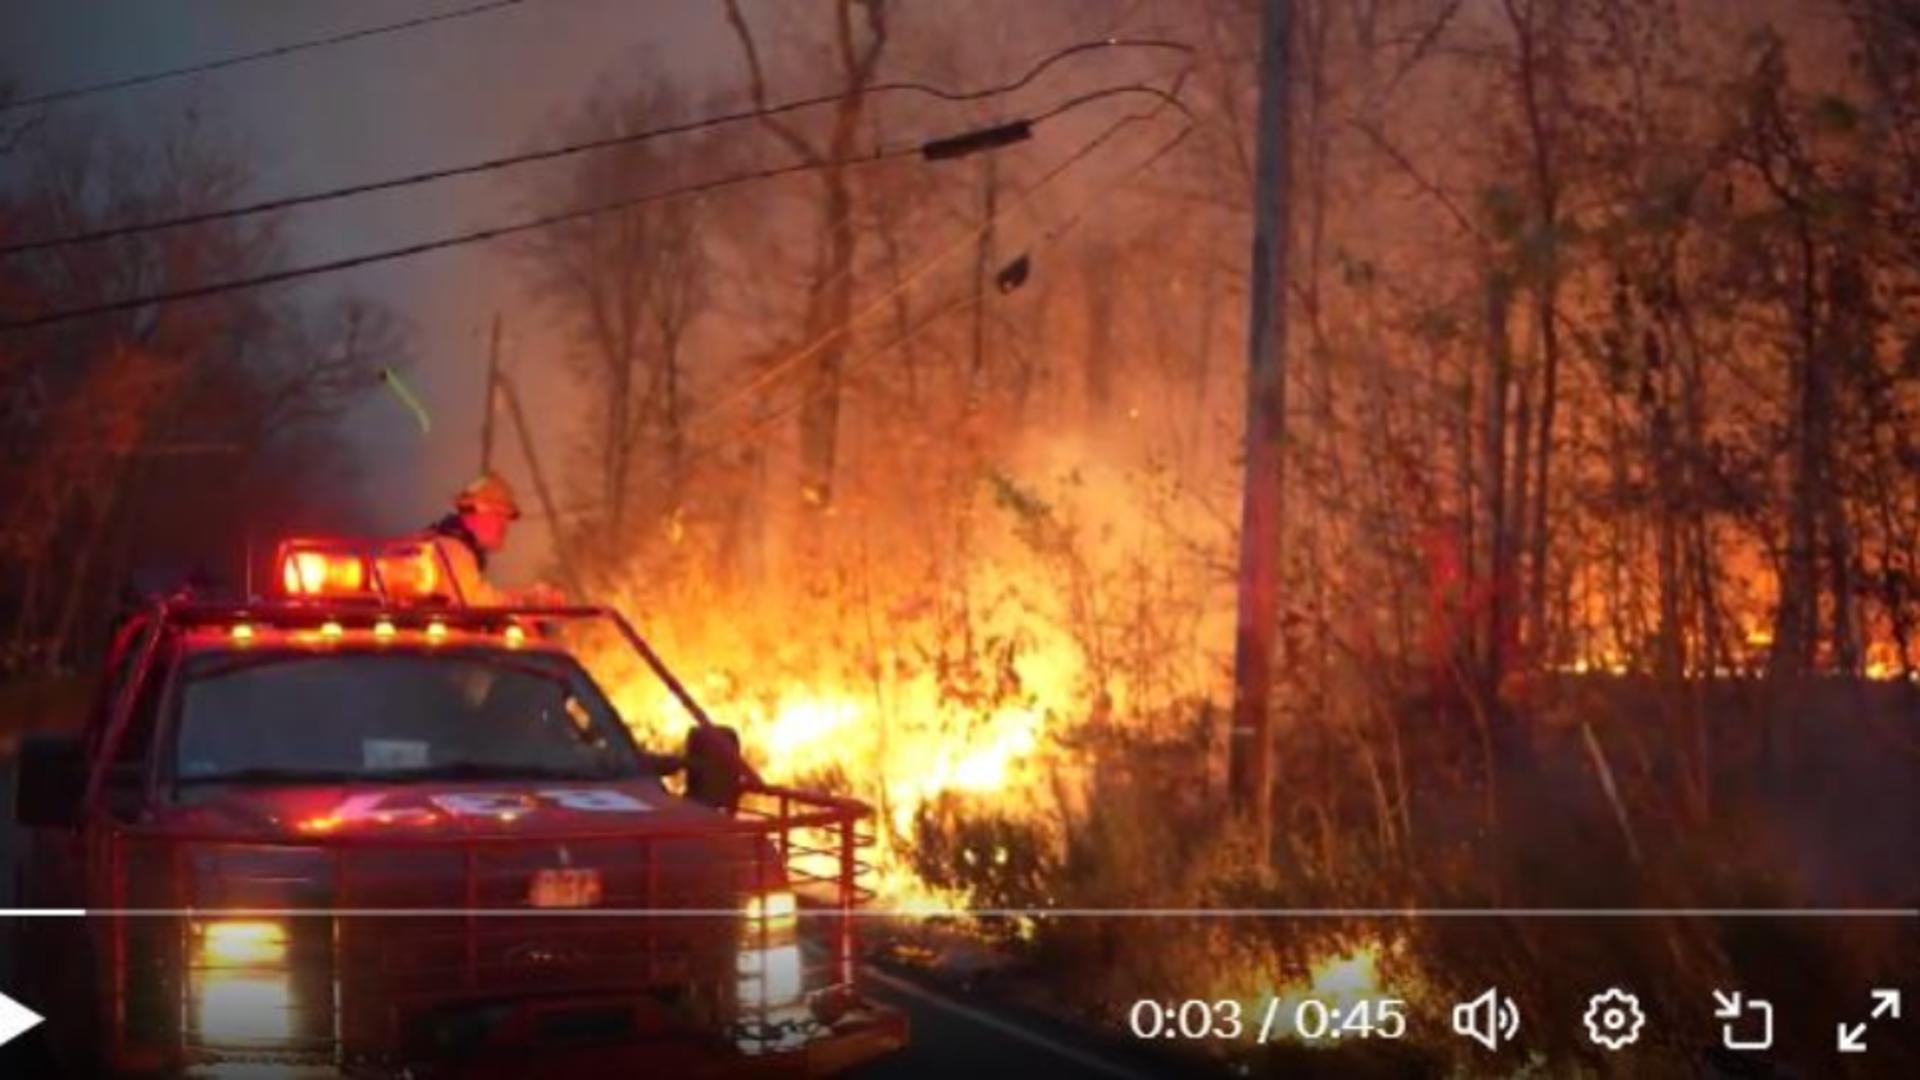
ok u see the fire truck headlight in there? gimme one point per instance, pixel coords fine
(244, 989)
(775, 909)
(769, 957)
(770, 978)
(230, 943)
(244, 1007)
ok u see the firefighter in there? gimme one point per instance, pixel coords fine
(483, 511)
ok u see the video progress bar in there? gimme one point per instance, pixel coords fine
(1856, 913)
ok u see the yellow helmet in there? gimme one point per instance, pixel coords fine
(487, 493)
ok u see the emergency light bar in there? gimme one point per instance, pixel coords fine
(320, 573)
(410, 571)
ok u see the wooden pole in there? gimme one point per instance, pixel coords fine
(488, 402)
(562, 545)
(1250, 748)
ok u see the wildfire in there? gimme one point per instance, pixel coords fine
(901, 743)
(807, 733)
(942, 689)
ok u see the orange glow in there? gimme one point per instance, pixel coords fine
(1884, 662)
(332, 631)
(383, 630)
(436, 632)
(242, 633)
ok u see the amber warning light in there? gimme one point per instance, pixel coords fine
(322, 573)
(404, 570)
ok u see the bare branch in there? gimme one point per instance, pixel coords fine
(1421, 47)
(757, 85)
(1425, 184)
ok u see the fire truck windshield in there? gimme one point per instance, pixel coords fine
(293, 716)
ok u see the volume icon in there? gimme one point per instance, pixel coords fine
(1490, 1019)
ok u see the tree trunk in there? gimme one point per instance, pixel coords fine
(1098, 362)
(833, 307)
(1251, 745)
(1493, 472)
(1795, 624)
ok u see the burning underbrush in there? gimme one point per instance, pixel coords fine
(1034, 704)
(1039, 729)
(975, 702)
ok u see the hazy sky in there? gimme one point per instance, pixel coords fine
(446, 93)
(449, 92)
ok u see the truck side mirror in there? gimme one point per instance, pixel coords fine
(50, 776)
(714, 766)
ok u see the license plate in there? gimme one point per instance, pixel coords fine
(565, 889)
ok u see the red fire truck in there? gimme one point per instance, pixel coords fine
(365, 829)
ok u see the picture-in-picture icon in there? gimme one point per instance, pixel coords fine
(1748, 1022)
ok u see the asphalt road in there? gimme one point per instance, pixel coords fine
(952, 1036)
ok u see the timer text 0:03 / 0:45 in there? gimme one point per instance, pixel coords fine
(1309, 1020)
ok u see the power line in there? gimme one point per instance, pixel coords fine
(475, 236)
(812, 348)
(53, 96)
(480, 235)
(764, 423)
(570, 149)
(1168, 97)
(1148, 162)
(1053, 235)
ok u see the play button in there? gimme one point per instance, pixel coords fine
(15, 1019)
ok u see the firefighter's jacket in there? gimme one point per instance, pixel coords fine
(460, 553)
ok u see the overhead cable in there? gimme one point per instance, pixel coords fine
(495, 232)
(428, 176)
(773, 371)
(70, 93)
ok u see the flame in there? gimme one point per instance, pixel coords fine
(901, 744)
(936, 687)
(1884, 662)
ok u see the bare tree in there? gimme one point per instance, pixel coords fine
(628, 287)
(829, 307)
(162, 433)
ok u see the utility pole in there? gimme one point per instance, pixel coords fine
(487, 406)
(562, 544)
(983, 263)
(1250, 747)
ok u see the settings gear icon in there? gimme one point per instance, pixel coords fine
(1614, 1019)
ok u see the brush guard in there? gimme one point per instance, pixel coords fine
(376, 952)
